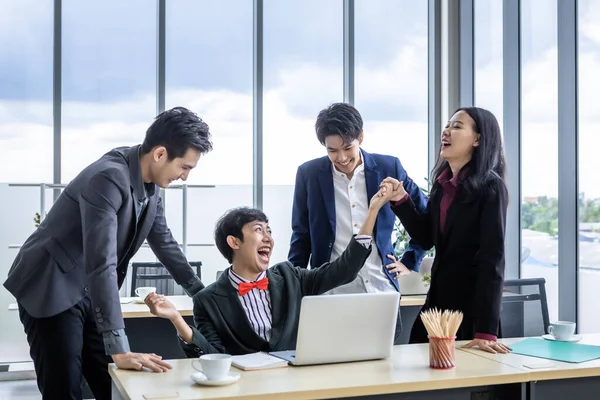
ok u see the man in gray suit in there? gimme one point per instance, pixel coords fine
(67, 275)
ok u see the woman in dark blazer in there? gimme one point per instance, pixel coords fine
(465, 220)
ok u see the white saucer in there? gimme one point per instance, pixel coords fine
(201, 379)
(574, 338)
(129, 300)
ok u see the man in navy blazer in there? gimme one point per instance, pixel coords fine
(331, 200)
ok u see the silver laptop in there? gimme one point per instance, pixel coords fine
(343, 328)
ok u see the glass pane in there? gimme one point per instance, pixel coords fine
(209, 71)
(26, 48)
(303, 69)
(391, 80)
(589, 165)
(488, 57)
(108, 78)
(26, 139)
(539, 212)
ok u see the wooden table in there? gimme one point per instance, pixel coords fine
(148, 334)
(406, 374)
(132, 309)
(579, 381)
(185, 306)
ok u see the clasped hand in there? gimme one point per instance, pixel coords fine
(396, 187)
(382, 196)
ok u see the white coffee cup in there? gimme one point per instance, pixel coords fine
(142, 292)
(562, 330)
(214, 366)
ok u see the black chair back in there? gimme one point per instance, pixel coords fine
(156, 275)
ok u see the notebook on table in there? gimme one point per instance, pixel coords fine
(555, 350)
(256, 361)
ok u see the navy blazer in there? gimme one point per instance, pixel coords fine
(313, 213)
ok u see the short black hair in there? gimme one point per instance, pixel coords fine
(231, 223)
(177, 129)
(339, 119)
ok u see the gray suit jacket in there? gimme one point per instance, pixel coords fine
(84, 245)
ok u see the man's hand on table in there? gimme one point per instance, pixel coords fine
(138, 361)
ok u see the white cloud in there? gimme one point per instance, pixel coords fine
(402, 82)
(91, 129)
(27, 152)
(588, 20)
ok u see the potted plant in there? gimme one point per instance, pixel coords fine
(412, 283)
(37, 219)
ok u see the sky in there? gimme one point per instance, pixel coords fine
(109, 82)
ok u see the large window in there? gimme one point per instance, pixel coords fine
(26, 135)
(108, 77)
(391, 80)
(303, 69)
(589, 165)
(539, 215)
(488, 57)
(209, 70)
(26, 139)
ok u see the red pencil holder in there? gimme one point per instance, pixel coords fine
(442, 352)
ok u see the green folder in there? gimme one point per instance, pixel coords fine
(555, 350)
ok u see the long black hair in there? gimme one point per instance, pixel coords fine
(487, 162)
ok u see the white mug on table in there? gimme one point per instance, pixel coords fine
(142, 292)
(562, 330)
(214, 366)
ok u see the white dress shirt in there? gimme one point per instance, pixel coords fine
(257, 305)
(351, 210)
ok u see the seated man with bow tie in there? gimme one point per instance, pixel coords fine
(252, 307)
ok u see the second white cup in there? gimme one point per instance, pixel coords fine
(562, 330)
(214, 366)
(142, 292)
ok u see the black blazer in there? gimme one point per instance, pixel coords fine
(221, 325)
(83, 246)
(468, 269)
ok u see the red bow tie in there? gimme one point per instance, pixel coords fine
(245, 287)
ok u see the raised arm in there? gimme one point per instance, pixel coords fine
(300, 242)
(347, 266)
(417, 223)
(167, 250)
(414, 253)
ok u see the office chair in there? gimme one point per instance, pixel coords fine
(519, 317)
(155, 274)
